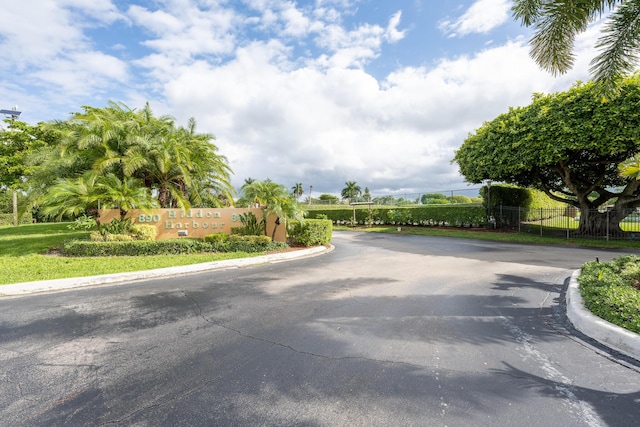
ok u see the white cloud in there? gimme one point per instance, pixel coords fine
(392, 34)
(481, 17)
(320, 118)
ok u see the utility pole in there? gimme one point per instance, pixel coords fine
(13, 114)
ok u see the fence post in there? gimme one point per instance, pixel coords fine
(607, 224)
(540, 222)
(519, 220)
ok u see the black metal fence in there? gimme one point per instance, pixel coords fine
(565, 222)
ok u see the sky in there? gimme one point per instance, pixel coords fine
(317, 92)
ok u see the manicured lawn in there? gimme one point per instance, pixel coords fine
(24, 256)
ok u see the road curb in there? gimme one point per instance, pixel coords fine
(17, 289)
(613, 336)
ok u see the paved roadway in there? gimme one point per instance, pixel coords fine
(383, 331)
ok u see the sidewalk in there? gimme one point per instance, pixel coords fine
(18, 289)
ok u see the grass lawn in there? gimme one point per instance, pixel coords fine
(24, 256)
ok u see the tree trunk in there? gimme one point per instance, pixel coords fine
(601, 224)
(15, 208)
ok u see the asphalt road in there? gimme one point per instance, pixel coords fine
(383, 331)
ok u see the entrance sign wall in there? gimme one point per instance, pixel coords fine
(173, 223)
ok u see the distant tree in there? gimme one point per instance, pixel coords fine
(331, 199)
(385, 200)
(297, 190)
(350, 191)
(366, 195)
(459, 199)
(434, 199)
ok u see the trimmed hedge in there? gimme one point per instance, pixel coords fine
(310, 232)
(426, 215)
(250, 244)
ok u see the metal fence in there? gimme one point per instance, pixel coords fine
(565, 222)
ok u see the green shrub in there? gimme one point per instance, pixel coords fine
(426, 215)
(310, 232)
(116, 226)
(216, 238)
(84, 222)
(249, 244)
(611, 290)
(143, 231)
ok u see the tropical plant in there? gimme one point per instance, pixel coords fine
(126, 194)
(568, 145)
(177, 164)
(350, 191)
(558, 22)
(275, 200)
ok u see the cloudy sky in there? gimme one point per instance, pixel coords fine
(381, 92)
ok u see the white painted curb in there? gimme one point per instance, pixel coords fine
(607, 333)
(110, 279)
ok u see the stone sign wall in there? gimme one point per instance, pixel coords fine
(173, 223)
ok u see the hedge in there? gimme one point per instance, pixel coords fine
(536, 203)
(310, 232)
(249, 244)
(426, 215)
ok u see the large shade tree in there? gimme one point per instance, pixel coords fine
(556, 24)
(180, 166)
(17, 141)
(569, 145)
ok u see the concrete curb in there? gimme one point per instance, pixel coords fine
(25, 288)
(606, 333)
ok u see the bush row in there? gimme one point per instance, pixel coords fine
(611, 290)
(310, 232)
(429, 215)
(170, 246)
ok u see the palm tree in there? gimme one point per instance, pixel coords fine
(129, 193)
(350, 191)
(274, 198)
(558, 22)
(179, 165)
(70, 197)
(297, 190)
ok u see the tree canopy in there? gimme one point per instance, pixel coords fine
(137, 151)
(567, 144)
(557, 23)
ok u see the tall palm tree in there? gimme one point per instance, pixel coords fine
(558, 22)
(350, 191)
(297, 190)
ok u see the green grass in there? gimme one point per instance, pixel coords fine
(24, 256)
